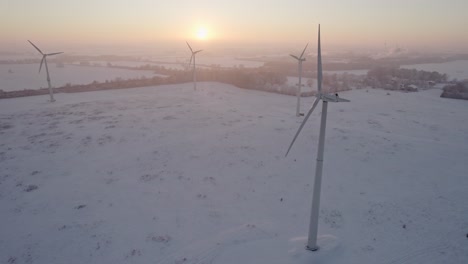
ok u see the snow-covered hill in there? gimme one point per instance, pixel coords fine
(170, 175)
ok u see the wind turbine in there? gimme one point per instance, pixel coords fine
(325, 98)
(44, 60)
(300, 60)
(194, 74)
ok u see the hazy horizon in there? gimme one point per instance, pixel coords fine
(428, 26)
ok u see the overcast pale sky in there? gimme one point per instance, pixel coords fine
(417, 24)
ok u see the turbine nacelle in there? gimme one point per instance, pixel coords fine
(297, 58)
(300, 58)
(44, 56)
(191, 50)
(193, 53)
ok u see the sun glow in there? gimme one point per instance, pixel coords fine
(202, 33)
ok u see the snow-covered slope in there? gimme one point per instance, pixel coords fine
(170, 175)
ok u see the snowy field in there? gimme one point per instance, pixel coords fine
(223, 61)
(454, 69)
(12, 57)
(176, 65)
(179, 62)
(170, 175)
(26, 76)
(355, 72)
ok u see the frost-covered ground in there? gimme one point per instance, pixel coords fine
(226, 61)
(26, 76)
(209, 60)
(171, 175)
(454, 69)
(355, 72)
(16, 56)
(178, 65)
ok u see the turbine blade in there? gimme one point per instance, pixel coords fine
(42, 61)
(319, 64)
(189, 46)
(36, 47)
(303, 123)
(55, 53)
(302, 54)
(294, 57)
(339, 99)
(191, 57)
(197, 51)
(334, 98)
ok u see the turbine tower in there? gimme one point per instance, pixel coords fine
(44, 60)
(300, 60)
(194, 74)
(325, 98)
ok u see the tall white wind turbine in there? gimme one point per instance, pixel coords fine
(44, 60)
(194, 74)
(325, 98)
(300, 60)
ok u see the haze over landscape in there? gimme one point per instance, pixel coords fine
(156, 132)
(417, 24)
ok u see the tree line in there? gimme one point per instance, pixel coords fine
(395, 78)
(458, 90)
(263, 78)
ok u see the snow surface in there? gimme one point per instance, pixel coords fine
(228, 62)
(171, 175)
(16, 56)
(355, 72)
(208, 60)
(454, 69)
(175, 65)
(26, 76)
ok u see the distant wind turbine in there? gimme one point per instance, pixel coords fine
(194, 74)
(44, 60)
(300, 60)
(325, 98)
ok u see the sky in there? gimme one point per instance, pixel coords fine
(359, 24)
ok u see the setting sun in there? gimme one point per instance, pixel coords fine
(202, 33)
